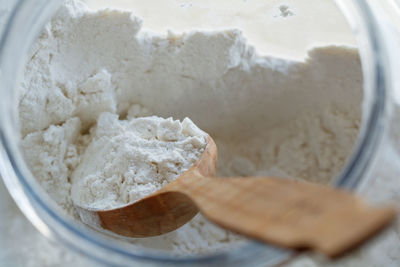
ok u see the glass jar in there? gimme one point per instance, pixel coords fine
(377, 143)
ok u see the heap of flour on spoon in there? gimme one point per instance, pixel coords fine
(127, 160)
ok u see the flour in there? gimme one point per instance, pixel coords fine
(313, 147)
(92, 77)
(51, 155)
(129, 160)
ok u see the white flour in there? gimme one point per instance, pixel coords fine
(268, 115)
(127, 160)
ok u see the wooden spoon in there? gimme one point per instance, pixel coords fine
(279, 211)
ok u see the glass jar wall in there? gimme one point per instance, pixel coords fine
(377, 142)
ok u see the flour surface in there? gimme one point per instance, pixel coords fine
(127, 160)
(95, 80)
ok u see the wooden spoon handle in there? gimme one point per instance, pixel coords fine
(287, 213)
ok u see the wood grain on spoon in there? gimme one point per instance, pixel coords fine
(283, 212)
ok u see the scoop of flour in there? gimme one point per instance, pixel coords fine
(127, 160)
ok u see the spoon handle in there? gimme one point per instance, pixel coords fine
(286, 213)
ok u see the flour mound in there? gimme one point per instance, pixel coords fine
(127, 160)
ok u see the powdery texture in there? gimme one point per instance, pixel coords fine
(51, 156)
(268, 115)
(313, 146)
(127, 160)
